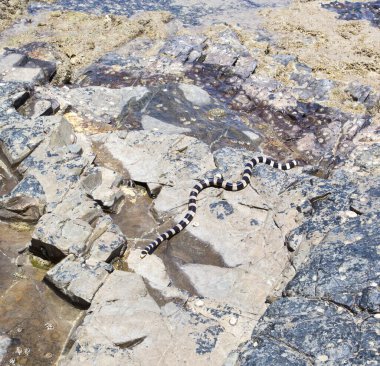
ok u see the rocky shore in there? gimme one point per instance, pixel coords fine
(108, 117)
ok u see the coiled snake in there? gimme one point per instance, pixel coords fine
(218, 182)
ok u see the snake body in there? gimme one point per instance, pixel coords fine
(218, 182)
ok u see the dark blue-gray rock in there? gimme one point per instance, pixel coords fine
(314, 330)
(344, 267)
(351, 10)
(263, 351)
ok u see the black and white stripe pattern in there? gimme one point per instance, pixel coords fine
(217, 182)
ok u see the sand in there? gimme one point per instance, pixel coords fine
(78, 39)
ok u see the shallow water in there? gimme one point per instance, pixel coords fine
(32, 316)
(193, 12)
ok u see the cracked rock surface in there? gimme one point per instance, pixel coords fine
(102, 139)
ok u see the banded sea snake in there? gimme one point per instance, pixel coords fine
(218, 182)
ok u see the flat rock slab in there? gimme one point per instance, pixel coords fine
(125, 325)
(76, 280)
(159, 159)
(17, 67)
(98, 103)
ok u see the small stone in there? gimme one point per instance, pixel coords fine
(199, 303)
(196, 224)
(323, 358)
(233, 321)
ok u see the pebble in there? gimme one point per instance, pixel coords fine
(351, 214)
(323, 358)
(233, 321)
(196, 224)
(199, 303)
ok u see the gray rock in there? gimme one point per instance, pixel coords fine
(99, 103)
(228, 285)
(25, 202)
(245, 66)
(66, 230)
(195, 95)
(77, 280)
(19, 140)
(151, 269)
(363, 94)
(20, 68)
(153, 124)
(368, 158)
(182, 158)
(56, 167)
(102, 185)
(183, 48)
(124, 318)
(284, 59)
(107, 241)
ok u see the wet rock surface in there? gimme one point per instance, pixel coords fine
(283, 272)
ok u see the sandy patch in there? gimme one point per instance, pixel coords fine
(11, 10)
(335, 49)
(79, 38)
